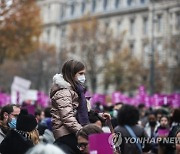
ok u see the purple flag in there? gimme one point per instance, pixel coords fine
(99, 144)
(4, 99)
(98, 98)
(30, 108)
(43, 99)
(116, 97)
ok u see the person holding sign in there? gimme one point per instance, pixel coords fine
(83, 135)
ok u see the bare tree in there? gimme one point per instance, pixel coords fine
(38, 67)
(20, 28)
(92, 43)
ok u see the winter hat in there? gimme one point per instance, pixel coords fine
(26, 122)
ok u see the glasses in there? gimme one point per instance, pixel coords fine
(82, 145)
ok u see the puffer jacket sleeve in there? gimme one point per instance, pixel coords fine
(65, 109)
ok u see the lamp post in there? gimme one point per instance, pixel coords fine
(152, 73)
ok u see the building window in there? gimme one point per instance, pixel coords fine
(160, 52)
(131, 45)
(83, 6)
(145, 25)
(105, 4)
(62, 11)
(72, 9)
(142, 1)
(178, 21)
(145, 54)
(130, 2)
(159, 23)
(93, 5)
(117, 2)
(49, 11)
(132, 26)
(119, 26)
(48, 35)
(63, 32)
(106, 25)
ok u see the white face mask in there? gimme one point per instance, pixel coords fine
(115, 113)
(81, 78)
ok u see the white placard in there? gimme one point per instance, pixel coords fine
(19, 88)
(31, 95)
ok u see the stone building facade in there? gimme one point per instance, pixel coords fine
(148, 23)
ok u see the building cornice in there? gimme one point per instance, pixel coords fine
(122, 11)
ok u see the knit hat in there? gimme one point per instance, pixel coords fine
(26, 122)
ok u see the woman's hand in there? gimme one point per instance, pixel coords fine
(105, 116)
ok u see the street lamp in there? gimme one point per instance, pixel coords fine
(152, 73)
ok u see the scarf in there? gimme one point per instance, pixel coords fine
(82, 110)
(24, 134)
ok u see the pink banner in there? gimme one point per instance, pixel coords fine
(43, 99)
(99, 144)
(142, 97)
(4, 99)
(30, 108)
(98, 98)
(116, 97)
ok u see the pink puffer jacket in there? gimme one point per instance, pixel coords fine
(64, 104)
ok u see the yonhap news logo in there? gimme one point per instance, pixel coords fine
(115, 140)
(154, 140)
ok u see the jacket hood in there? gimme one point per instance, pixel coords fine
(58, 83)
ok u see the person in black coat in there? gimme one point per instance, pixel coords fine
(21, 139)
(128, 116)
(175, 126)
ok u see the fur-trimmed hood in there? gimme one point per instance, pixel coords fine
(59, 80)
(58, 83)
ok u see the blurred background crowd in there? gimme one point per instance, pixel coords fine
(36, 128)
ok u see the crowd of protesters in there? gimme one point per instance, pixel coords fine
(65, 126)
(21, 132)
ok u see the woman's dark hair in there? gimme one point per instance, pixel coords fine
(152, 112)
(94, 117)
(8, 109)
(38, 112)
(47, 112)
(88, 130)
(69, 70)
(128, 115)
(177, 131)
(176, 116)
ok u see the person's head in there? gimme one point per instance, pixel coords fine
(45, 149)
(118, 105)
(159, 113)
(98, 107)
(39, 114)
(5, 113)
(47, 112)
(9, 114)
(152, 119)
(27, 123)
(73, 72)
(116, 108)
(164, 121)
(83, 134)
(128, 115)
(16, 110)
(95, 118)
(176, 115)
(178, 144)
(142, 110)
